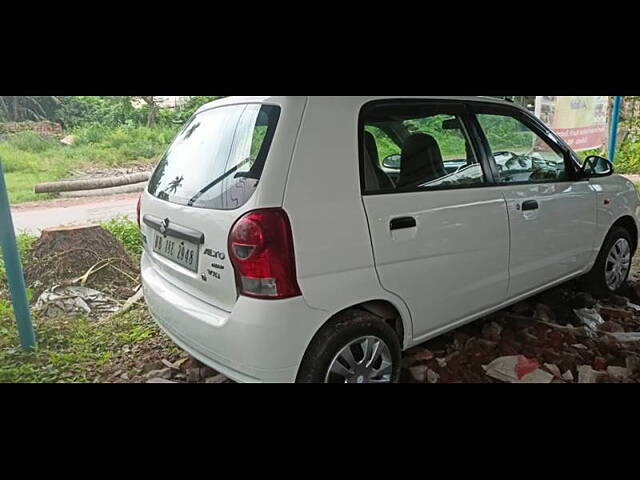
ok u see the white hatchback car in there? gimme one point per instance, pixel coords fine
(314, 238)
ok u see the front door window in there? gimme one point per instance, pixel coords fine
(521, 155)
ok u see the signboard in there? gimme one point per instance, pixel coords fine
(580, 121)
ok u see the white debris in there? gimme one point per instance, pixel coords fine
(552, 368)
(432, 377)
(590, 317)
(131, 301)
(165, 373)
(517, 369)
(68, 140)
(633, 306)
(74, 300)
(216, 379)
(626, 336)
(586, 374)
(419, 373)
(619, 372)
(159, 380)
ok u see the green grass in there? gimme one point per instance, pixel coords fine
(74, 349)
(29, 159)
(127, 232)
(78, 349)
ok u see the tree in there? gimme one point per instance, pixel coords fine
(153, 110)
(22, 108)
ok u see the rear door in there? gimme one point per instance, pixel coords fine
(440, 235)
(552, 214)
(198, 190)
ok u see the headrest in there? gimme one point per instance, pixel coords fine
(418, 143)
(421, 160)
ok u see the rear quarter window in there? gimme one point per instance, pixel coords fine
(217, 159)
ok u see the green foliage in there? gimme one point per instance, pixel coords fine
(503, 133)
(24, 241)
(127, 232)
(109, 132)
(77, 111)
(119, 111)
(506, 133)
(628, 159)
(386, 146)
(29, 159)
(30, 142)
(183, 114)
(21, 108)
(93, 110)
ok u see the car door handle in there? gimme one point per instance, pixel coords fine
(530, 205)
(403, 223)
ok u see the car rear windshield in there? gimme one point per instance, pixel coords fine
(217, 159)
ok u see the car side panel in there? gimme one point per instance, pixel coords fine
(616, 197)
(554, 241)
(334, 257)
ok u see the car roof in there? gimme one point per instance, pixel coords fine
(280, 100)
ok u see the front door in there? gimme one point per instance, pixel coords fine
(439, 232)
(552, 215)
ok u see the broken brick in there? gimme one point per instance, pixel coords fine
(615, 313)
(599, 363)
(611, 326)
(424, 355)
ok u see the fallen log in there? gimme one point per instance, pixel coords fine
(92, 184)
(102, 192)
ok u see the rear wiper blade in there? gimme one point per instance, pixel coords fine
(197, 196)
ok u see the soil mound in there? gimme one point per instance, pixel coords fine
(62, 255)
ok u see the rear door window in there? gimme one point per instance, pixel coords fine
(217, 159)
(417, 146)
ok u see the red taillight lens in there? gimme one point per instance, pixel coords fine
(261, 249)
(138, 210)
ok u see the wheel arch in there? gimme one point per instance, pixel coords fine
(384, 309)
(628, 223)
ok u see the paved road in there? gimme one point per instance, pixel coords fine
(33, 217)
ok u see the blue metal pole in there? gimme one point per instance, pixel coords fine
(13, 267)
(613, 136)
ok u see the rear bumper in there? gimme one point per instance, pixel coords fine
(259, 341)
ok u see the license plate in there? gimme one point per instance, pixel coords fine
(182, 252)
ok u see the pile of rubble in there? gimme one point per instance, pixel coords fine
(561, 336)
(80, 256)
(184, 370)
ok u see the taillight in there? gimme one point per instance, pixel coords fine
(261, 250)
(138, 210)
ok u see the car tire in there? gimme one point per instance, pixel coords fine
(603, 279)
(336, 353)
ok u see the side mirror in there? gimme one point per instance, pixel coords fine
(392, 162)
(595, 166)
